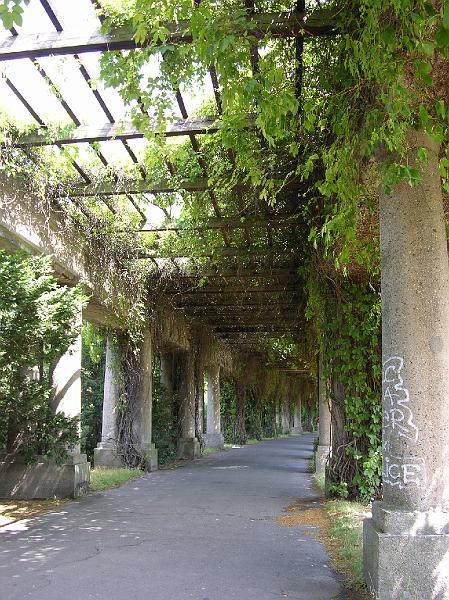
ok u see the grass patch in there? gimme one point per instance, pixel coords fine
(208, 451)
(345, 539)
(102, 479)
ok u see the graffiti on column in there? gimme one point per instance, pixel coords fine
(398, 422)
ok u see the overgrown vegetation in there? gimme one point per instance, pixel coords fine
(103, 479)
(39, 320)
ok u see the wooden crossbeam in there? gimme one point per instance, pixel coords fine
(241, 274)
(288, 220)
(224, 252)
(230, 290)
(117, 131)
(63, 43)
(255, 329)
(200, 184)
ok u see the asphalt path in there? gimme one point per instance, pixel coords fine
(206, 531)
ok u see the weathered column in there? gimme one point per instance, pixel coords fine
(324, 427)
(297, 422)
(285, 416)
(167, 372)
(406, 543)
(188, 445)
(142, 424)
(71, 479)
(105, 454)
(213, 437)
(277, 415)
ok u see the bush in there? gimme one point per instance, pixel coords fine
(38, 323)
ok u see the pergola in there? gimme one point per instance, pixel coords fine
(249, 285)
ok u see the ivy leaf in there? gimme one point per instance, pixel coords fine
(428, 48)
(389, 35)
(440, 109)
(422, 155)
(442, 37)
(8, 20)
(446, 17)
(424, 115)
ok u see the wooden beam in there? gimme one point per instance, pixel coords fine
(62, 43)
(224, 291)
(200, 184)
(224, 252)
(289, 220)
(242, 274)
(117, 131)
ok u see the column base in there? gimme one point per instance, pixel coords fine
(150, 456)
(213, 440)
(406, 554)
(105, 456)
(321, 455)
(296, 430)
(43, 479)
(189, 448)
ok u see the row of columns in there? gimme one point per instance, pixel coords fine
(184, 365)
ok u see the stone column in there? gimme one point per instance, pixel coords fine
(142, 425)
(105, 454)
(297, 423)
(324, 427)
(213, 437)
(285, 416)
(73, 478)
(406, 543)
(188, 445)
(167, 372)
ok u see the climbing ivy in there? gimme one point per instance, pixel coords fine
(349, 326)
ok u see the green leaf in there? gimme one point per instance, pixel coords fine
(446, 17)
(389, 35)
(440, 109)
(428, 48)
(422, 155)
(442, 37)
(8, 20)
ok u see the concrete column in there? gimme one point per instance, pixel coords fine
(188, 445)
(73, 478)
(406, 543)
(213, 437)
(142, 425)
(167, 372)
(66, 382)
(297, 422)
(324, 428)
(105, 454)
(285, 416)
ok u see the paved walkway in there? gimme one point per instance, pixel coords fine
(206, 531)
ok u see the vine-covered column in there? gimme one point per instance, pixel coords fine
(324, 428)
(188, 444)
(213, 437)
(105, 454)
(142, 423)
(406, 543)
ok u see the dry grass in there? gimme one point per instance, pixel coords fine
(338, 525)
(15, 510)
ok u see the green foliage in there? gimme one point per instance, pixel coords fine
(164, 417)
(11, 12)
(349, 327)
(38, 322)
